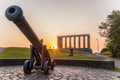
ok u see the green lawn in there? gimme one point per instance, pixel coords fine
(65, 55)
(17, 52)
(117, 69)
(106, 53)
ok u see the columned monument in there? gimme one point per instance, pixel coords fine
(79, 42)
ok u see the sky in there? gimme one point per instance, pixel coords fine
(52, 18)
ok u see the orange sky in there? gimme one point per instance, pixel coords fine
(50, 18)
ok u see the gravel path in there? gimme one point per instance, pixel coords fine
(117, 61)
(2, 49)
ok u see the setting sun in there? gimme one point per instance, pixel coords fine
(52, 45)
(55, 47)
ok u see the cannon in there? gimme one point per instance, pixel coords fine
(39, 55)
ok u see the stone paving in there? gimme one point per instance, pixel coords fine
(59, 73)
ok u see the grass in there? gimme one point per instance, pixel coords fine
(17, 52)
(65, 55)
(117, 69)
(106, 53)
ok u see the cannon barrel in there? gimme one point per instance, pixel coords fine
(15, 14)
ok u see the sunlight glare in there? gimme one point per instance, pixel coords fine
(55, 47)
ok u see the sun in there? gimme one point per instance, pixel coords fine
(55, 47)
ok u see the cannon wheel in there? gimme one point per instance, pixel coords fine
(26, 67)
(46, 67)
(52, 64)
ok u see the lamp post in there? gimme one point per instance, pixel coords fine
(97, 45)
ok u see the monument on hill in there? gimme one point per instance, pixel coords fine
(79, 42)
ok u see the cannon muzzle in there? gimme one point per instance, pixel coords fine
(15, 14)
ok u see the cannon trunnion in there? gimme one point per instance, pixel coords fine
(39, 55)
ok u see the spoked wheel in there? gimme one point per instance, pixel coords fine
(26, 67)
(46, 67)
(52, 64)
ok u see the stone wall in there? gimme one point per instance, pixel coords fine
(110, 65)
(87, 63)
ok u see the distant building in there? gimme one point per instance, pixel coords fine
(71, 41)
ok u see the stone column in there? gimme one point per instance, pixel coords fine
(79, 41)
(58, 42)
(65, 42)
(61, 42)
(88, 38)
(69, 42)
(74, 41)
(83, 41)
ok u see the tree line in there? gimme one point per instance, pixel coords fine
(110, 29)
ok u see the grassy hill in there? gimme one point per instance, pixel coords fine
(19, 52)
(15, 52)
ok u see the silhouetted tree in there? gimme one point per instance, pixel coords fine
(111, 30)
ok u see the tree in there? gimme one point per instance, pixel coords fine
(111, 30)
